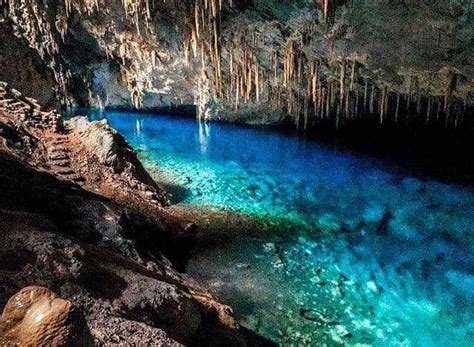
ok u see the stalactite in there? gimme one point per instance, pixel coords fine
(451, 86)
(62, 26)
(428, 111)
(366, 86)
(186, 53)
(438, 108)
(275, 62)
(342, 83)
(347, 109)
(457, 118)
(353, 71)
(328, 101)
(314, 89)
(397, 110)
(67, 5)
(383, 104)
(305, 114)
(356, 109)
(321, 103)
(372, 99)
(257, 82)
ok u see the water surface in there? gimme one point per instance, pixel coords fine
(375, 256)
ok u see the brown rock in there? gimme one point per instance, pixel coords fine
(35, 316)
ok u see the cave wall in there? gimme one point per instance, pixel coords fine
(23, 69)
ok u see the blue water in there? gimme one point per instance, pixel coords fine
(374, 256)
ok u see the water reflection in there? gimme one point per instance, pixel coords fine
(204, 135)
(138, 127)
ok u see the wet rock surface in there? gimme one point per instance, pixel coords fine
(101, 242)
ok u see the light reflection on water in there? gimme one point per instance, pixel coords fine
(384, 259)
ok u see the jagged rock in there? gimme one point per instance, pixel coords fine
(99, 140)
(105, 252)
(106, 144)
(35, 316)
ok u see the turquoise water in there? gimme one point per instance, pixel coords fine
(376, 257)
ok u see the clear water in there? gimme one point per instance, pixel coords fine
(375, 257)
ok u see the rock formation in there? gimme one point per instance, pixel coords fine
(260, 61)
(80, 216)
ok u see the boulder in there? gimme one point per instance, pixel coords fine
(35, 316)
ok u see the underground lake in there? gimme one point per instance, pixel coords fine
(363, 252)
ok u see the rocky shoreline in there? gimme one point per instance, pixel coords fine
(80, 216)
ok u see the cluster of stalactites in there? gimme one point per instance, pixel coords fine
(83, 6)
(133, 54)
(204, 40)
(245, 79)
(310, 88)
(130, 76)
(31, 21)
(136, 9)
(348, 90)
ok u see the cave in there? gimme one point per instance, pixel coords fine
(251, 173)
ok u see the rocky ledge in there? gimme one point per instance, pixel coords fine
(84, 224)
